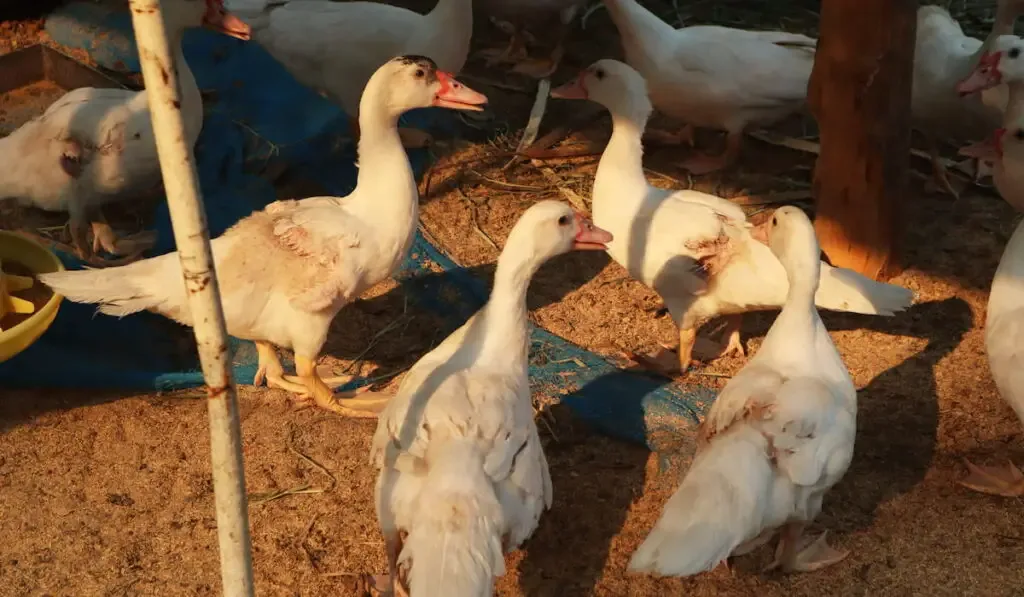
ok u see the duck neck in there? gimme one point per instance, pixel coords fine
(386, 188)
(1014, 103)
(450, 27)
(621, 167)
(639, 28)
(507, 325)
(798, 315)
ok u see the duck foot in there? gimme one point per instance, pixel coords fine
(360, 403)
(665, 362)
(797, 555)
(668, 363)
(941, 181)
(733, 346)
(540, 68)
(705, 164)
(380, 585)
(1007, 481)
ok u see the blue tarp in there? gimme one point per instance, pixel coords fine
(261, 116)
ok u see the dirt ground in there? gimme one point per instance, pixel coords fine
(110, 494)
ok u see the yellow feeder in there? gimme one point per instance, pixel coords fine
(17, 248)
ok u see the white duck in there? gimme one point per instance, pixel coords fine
(334, 47)
(96, 146)
(462, 471)
(715, 77)
(779, 436)
(286, 271)
(696, 250)
(943, 56)
(1002, 66)
(1004, 343)
(1004, 322)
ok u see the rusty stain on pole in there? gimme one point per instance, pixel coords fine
(190, 233)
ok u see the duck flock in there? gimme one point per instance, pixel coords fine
(462, 476)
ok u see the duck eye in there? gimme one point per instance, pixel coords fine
(775, 221)
(1019, 135)
(1013, 53)
(419, 73)
(599, 73)
(563, 221)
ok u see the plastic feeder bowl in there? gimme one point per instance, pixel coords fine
(18, 249)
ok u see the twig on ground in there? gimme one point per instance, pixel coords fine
(305, 488)
(476, 221)
(394, 323)
(508, 186)
(570, 195)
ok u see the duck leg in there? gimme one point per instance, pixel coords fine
(390, 584)
(941, 174)
(131, 246)
(734, 342)
(78, 225)
(796, 555)
(704, 163)
(368, 405)
(1006, 481)
(270, 370)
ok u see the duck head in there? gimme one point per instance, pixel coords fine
(613, 84)
(791, 238)
(409, 82)
(551, 228)
(1002, 62)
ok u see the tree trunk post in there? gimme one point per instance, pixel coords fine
(859, 93)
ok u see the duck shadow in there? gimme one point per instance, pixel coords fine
(399, 326)
(898, 415)
(898, 411)
(595, 480)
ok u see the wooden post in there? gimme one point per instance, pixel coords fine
(859, 93)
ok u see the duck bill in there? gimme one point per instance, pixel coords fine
(575, 89)
(984, 76)
(456, 96)
(222, 21)
(989, 150)
(590, 237)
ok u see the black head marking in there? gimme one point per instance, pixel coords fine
(427, 67)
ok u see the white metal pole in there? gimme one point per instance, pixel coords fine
(191, 235)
